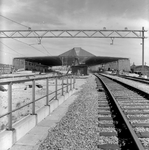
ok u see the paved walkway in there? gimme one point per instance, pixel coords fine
(32, 140)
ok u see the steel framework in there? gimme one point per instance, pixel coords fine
(72, 33)
(137, 34)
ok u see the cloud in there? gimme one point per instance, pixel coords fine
(77, 14)
(117, 8)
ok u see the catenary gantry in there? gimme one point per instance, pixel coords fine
(72, 33)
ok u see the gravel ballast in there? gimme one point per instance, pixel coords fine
(78, 129)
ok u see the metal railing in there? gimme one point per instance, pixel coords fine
(68, 87)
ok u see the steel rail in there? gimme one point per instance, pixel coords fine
(27, 80)
(18, 76)
(136, 79)
(133, 134)
(125, 84)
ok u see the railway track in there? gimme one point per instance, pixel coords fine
(141, 80)
(123, 116)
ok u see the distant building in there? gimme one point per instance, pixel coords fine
(23, 64)
(138, 69)
(120, 65)
(115, 64)
(5, 68)
(79, 70)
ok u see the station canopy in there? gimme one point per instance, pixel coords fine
(69, 57)
(101, 60)
(44, 60)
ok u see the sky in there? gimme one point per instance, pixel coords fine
(74, 14)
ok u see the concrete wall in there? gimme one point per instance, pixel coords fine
(94, 68)
(26, 65)
(111, 65)
(18, 63)
(22, 127)
(124, 64)
(4, 68)
(121, 65)
(139, 69)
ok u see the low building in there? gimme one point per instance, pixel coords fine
(40, 64)
(22, 64)
(109, 64)
(5, 68)
(79, 70)
(120, 65)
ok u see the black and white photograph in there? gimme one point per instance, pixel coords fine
(74, 75)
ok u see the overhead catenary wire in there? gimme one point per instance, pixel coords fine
(45, 49)
(7, 52)
(39, 40)
(10, 48)
(30, 46)
(16, 22)
(29, 28)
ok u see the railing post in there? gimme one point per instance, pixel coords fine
(33, 97)
(67, 85)
(74, 81)
(56, 88)
(71, 83)
(47, 91)
(10, 107)
(62, 85)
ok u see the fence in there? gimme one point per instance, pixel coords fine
(70, 84)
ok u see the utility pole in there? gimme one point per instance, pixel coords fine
(143, 50)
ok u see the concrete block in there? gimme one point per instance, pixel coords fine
(39, 130)
(42, 113)
(53, 105)
(22, 147)
(6, 139)
(24, 126)
(66, 96)
(56, 103)
(61, 100)
(30, 140)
